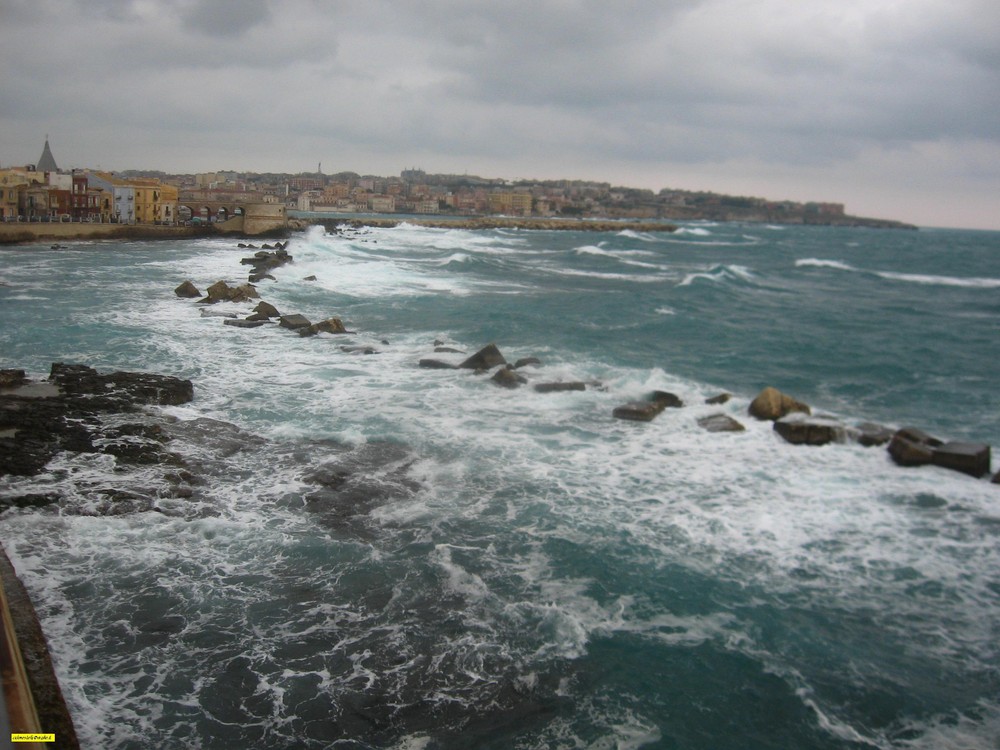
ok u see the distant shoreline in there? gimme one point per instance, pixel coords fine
(493, 222)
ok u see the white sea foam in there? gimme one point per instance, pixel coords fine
(933, 279)
(823, 263)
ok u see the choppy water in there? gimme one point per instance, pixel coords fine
(484, 568)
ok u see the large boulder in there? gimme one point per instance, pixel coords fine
(243, 293)
(485, 359)
(187, 290)
(217, 292)
(772, 404)
(910, 446)
(969, 458)
(802, 429)
(294, 322)
(330, 325)
(267, 310)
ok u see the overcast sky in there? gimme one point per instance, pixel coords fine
(889, 106)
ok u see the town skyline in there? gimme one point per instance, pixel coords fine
(887, 107)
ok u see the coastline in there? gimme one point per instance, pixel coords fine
(493, 222)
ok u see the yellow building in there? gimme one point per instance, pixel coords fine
(512, 204)
(155, 203)
(10, 180)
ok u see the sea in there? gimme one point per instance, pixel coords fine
(372, 554)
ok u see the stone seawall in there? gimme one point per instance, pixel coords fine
(25, 233)
(32, 696)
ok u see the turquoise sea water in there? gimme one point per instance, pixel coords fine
(384, 556)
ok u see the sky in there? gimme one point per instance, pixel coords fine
(891, 107)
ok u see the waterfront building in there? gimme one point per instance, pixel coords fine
(119, 193)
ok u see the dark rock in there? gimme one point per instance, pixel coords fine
(244, 322)
(257, 317)
(151, 389)
(309, 278)
(720, 423)
(507, 378)
(969, 458)
(267, 309)
(772, 404)
(801, 429)
(560, 386)
(912, 447)
(188, 290)
(638, 411)
(358, 349)
(243, 293)
(485, 359)
(69, 414)
(996, 478)
(722, 398)
(646, 411)
(525, 361)
(667, 400)
(436, 364)
(294, 322)
(870, 434)
(12, 378)
(217, 292)
(330, 325)
(446, 350)
(916, 435)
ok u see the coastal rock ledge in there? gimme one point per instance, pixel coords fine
(68, 412)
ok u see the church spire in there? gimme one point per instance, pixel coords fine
(47, 162)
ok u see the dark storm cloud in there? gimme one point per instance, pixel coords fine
(636, 90)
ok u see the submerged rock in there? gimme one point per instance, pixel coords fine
(646, 411)
(722, 398)
(507, 378)
(436, 364)
(802, 429)
(870, 434)
(720, 423)
(525, 361)
(560, 386)
(244, 322)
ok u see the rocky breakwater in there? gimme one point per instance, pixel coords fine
(907, 446)
(80, 411)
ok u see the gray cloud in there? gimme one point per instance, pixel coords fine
(782, 98)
